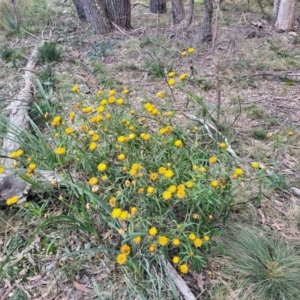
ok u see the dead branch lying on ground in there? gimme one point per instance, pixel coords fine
(210, 128)
(283, 76)
(178, 281)
(11, 184)
(18, 118)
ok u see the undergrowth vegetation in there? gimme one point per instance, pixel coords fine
(134, 182)
(149, 179)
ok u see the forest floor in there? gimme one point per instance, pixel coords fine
(259, 76)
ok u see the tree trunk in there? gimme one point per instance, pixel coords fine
(178, 13)
(80, 10)
(207, 22)
(158, 6)
(96, 15)
(286, 15)
(275, 9)
(119, 12)
(190, 13)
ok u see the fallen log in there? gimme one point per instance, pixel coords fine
(10, 183)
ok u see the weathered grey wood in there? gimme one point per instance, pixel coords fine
(12, 185)
(286, 15)
(18, 117)
(178, 281)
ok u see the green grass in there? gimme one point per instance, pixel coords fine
(49, 52)
(254, 112)
(266, 268)
(10, 19)
(7, 54)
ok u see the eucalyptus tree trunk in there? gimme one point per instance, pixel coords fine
(178, 13)
(190, 13)
(286, 15)
(275, 9)
(96, 15)
(119, 12)
(80, 10)
(207, 22)
(158, 6)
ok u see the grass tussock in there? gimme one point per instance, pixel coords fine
(49, 52)
(267, 268)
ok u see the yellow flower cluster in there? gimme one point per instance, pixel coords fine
(118, 213)
(124, 252)
(238, 172)
(17, 153)
(76, 89)
(136, 170)
(56, 121)
(167, 129)
(145, 136)
(190, 50)
(87, 110)
(30, 169)
(181, 193)
(152, 109)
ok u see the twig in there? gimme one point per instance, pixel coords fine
(209, 128)
(133, 5)
(122, 31)
(29, 33)
(278, 76)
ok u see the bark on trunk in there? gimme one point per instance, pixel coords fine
(96, 15)
(275, 9)
(178, 13)
(190, 13)
(207, 22)
(119, 12)
(158, 6)
(286, 15)
(80, 10)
